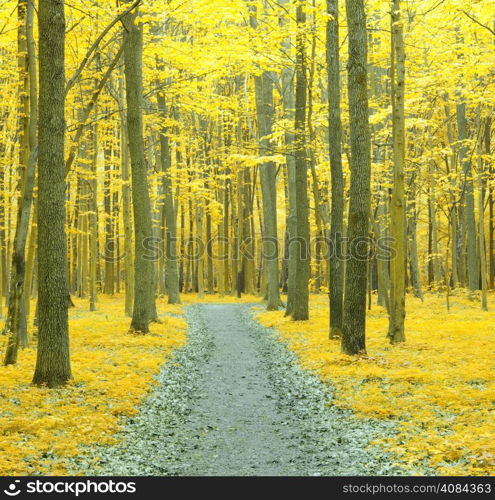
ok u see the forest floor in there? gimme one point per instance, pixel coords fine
(438, 387)
(41, 429)
(234, 402)
(222, 386)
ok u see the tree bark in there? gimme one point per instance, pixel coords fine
(397, 214)
(481, 215)
(16, 322)
(336, 293)
(354, 316)
(52, 362)
(300, 309)
(172, 271)
(126, 208)
(143, 266)
(266, 112)
(470, 224)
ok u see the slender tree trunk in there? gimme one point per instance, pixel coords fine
(200, 252)
(413, 242)
(451, 167)
(209, 253)
(126, 209)
(354, 316)
(481, 214)
(143, 266)
(337, 178)
(300, 310)
(109, 253)
(491, 249)
(3, 240)
(265, 111)
(93, 222)
(291, 228)
(434, 256)
(382, 260)
(52, 362)
(470, 224)
(397, 227)
(172, 272)
(16, 323)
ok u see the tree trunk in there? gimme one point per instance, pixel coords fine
(336, 293)
(413, 242)
(470, 224)
(382, 261)
(143, 267)
(434, 253)
(451, 169)
(93, 222)
(354, 316)
(397, 212)
(126, 208)
(109, 253)
(291, 224)
(481, 214)
(300, 309)
(491, 249)
(172, 272)
(268, 176)
(52, 362)
(16, 322)
(199, 251)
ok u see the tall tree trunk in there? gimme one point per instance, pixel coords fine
(268, 176)
(413, 241)
(470, 224)
(434, 251)
(93, 221)
(291, 224)
(126, 208)
(337, 178)
(199, 250)
(300, 310)
(382, 261)
(481, 214)
(397, 213)
(491, 249)
(172, 271)
(144, 294)
(451, 169)
(354, 316)
(109, 253)
(16, 322)
(209, 253)
(53, 361)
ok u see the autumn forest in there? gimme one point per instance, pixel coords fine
(255, 237)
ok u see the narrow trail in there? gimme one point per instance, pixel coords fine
(233, 402)
(236, 409)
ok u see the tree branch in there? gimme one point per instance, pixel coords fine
(492, 31)
(93, 47)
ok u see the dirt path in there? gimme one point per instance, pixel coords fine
(234, 402)
(242, 430)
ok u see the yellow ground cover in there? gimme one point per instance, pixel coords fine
(112, 371)
(439, 386)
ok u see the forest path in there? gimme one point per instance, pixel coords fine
(234, 402)
(242, 431)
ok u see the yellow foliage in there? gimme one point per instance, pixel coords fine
(113, 371)
(439, 386)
